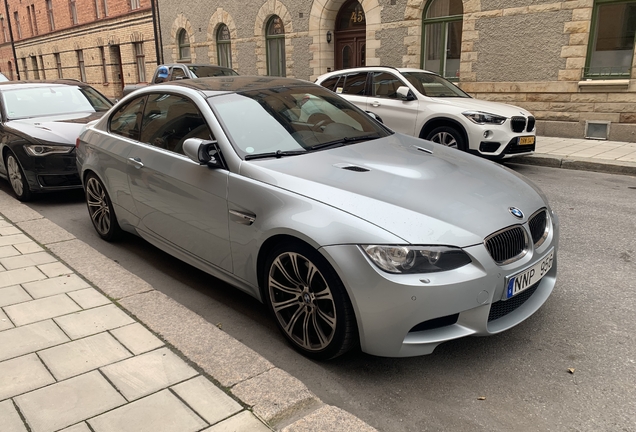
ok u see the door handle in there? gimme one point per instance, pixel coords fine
(376, 103)
(136, 162)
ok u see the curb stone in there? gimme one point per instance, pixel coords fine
(581, 164)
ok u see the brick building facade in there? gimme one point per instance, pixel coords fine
(106, 43)
(569, 62)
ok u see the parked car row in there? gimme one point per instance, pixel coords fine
(180, 71)
(352, 234)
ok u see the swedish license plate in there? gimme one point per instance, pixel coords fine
(524, 280)
(527, 140)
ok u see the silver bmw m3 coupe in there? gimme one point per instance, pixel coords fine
(348, 232)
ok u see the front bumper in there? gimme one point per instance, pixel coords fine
(501, 142)
(410, 315)
(50, 173)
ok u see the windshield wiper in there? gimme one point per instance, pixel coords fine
(343, 141)
(277, 154)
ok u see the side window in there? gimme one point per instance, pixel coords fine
(126, 121)
(354, 84)
(331, 83)
(385, 85)
(169, 120)
(177, 73)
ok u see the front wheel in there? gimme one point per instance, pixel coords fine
(18, 181)
(100, 209)
(309, 302)
(447, 136)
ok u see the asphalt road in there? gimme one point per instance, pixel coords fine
(588, 325)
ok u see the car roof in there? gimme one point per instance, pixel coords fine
(11, 85)
(238, 83)
(375, 68)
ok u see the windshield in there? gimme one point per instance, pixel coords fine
(210, 71)
(432, 85)
(52, 100)
(291, 121)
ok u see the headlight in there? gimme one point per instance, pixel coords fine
(416, 259)
(46, 149)
(484, 118)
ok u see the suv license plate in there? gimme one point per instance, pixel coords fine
(524, 280)
(527, 140)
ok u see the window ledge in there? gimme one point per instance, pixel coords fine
(604, 84)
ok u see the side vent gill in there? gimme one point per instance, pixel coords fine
(422, 149)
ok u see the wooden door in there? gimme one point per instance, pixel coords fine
(350, 49)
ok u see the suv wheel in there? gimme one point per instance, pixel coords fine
(448, 136)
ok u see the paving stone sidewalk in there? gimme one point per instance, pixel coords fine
(85, 346)
(613, 157)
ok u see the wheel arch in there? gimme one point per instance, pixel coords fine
(444, 121)
(266, 248)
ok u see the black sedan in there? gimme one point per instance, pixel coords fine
(40, 123)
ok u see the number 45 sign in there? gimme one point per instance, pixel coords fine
(357, 15)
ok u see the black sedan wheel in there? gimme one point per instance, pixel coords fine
(100, 208)
(17, 179)
(310, 303)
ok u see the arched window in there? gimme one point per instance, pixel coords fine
(184, 45)
(223, 46)
(275, 36)
(442, 37)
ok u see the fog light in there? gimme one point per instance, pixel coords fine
(487, 134)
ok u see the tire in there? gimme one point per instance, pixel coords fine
(100, 209)
(309, 302)
(448, 136)
(16, 177)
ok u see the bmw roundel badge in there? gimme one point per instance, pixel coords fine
(516, 212)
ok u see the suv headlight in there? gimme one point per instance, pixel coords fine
(416, 259)
(47, 149)
(484, 118)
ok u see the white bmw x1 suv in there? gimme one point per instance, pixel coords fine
(425, 105)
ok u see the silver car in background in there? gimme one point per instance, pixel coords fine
(348, 232)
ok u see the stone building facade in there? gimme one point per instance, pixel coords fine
(551, 57)
(105, 43)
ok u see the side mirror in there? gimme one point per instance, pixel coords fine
(405, 93)
(203, 152)
(375, 116)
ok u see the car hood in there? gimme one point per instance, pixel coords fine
(62, 129)
(447, 197)
(484, 106)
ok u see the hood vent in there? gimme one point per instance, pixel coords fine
(350, 167)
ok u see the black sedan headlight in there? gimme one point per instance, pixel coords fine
(480, 117)
(416, 259)
(47, 149)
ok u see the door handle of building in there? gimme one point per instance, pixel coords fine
(376, 103)
(136, 162)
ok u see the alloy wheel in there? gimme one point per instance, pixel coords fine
(15, 175)
(98, 206)
(445, 138)
(302, 301)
